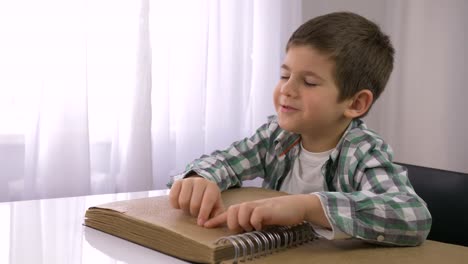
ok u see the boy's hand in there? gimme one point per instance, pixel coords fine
(197, 196)
(284, 210)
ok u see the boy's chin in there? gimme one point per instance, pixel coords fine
(288, 127)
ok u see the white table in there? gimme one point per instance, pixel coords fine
(51, 231)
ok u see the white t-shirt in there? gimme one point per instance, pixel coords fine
(306, 177)
(306, 174)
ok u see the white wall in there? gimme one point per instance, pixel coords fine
(422, 112)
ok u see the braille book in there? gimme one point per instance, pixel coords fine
(153, 223)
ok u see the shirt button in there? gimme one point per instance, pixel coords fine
(380, 238)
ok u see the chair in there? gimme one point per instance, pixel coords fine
(446, 195)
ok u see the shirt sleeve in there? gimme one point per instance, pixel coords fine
(375, 200)
(335, 233)
(243, 160)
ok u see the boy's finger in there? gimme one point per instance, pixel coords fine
(217, 209)
(210, 198)
(243, 217)
(257, 219)
(196, 200)
(185, 195)
(232, 219)
(216, 221)
(174, 194)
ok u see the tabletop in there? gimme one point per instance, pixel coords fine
(52, 231)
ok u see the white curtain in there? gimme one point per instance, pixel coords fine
(114, 96)
(422, 113)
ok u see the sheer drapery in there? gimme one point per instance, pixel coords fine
(423, 114)
(110, 96)
(217, 89)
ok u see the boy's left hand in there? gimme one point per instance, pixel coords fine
(284, 210)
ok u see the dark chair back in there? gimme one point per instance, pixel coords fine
(444, 193)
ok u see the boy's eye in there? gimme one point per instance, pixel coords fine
(284, 77)
(310, 84)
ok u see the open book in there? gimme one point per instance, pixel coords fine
(153, 223)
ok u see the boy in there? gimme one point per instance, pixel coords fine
(340, 173)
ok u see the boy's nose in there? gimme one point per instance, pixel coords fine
(289, 88)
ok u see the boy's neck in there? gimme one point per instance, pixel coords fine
(324, 141)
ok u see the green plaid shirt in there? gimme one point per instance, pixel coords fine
(366, 195)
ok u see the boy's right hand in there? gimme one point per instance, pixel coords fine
(197, 196)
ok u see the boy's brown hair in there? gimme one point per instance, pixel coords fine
(363, 55)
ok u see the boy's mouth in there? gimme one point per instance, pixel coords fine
(287, 109)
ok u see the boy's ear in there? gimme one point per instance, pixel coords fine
(359, 104)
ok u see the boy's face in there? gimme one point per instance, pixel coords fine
(306, 97)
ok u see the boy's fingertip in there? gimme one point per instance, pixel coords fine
(257, 227)
(200, 221)
(209, 224)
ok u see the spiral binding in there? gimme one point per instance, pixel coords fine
(248, 246)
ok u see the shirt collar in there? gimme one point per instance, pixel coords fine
(347, 136)
(285, 141)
